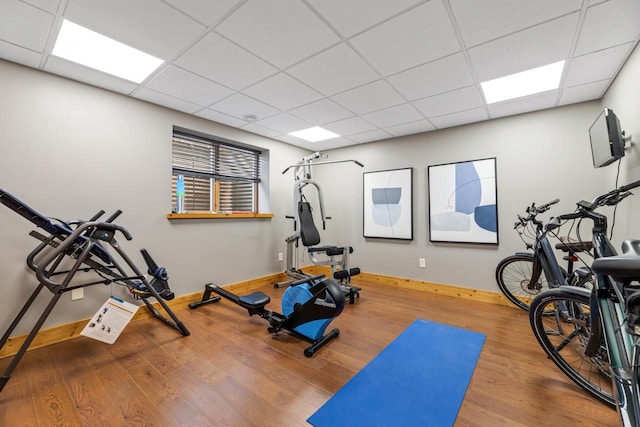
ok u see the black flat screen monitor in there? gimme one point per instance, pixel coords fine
(607, 143)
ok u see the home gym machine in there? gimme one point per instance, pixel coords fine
(336, 257)
(308, 306)
(68, 252)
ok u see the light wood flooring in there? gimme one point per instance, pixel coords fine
(232, 372)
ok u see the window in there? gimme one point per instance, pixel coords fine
(218, 176)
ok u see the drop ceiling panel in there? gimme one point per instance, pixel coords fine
(219, 117)
(284, 123)
(354, 16)
(374, 135)
(321, 112)
(371, 97)
(335, 70)
(415, 37)
(521, 105)
(167, 101)
(50, 6)
(584, 92)
(433, 78)
(597, 66)
(283, 92)
(90, 76)
(221, 61)
(397, 115)
(482, 21)
(463, 99)
(282, 32)
(19, 55)
(206, 12)
(239, 105)
(187, 86)
(460, 118)
(148, 25)
(349, 126)
(410, 128)
(23, 25)
(541, 45)
(608, 24)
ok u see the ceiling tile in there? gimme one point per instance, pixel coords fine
(321, 112)
(148, 25)
(461, 118)
(584, 92)
(353, 16)
(50, 6)
(374, 135)
(399, 114)
(410, 128)
(349, 126)
(433, 78)
(334, 70)
(609, 24)
(333, 143)
(205, 11)
(238, 70)
(20, 55)
(541, 45)
(285, 123)
(597, 66)
(282, 32)
(463, 99)
(415, 37)
(283, 92)
(522, 105)
(166, 100)
(238, 105)
(87, 75)
(24, 25)
(188, 86)
(371, 97)
(481, 21)
(261, 130)
(220, 117)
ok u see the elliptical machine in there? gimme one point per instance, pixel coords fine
(336, 257)
(308, 306)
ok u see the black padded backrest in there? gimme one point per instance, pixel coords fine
(308, 231)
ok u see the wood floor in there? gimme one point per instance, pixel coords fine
(231, 372)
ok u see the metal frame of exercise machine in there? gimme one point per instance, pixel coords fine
(308, 306)
(70, 250)
(336, 257)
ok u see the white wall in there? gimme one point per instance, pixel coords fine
(69, 150)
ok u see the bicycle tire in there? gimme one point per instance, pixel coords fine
(564, 336)
(513, 275)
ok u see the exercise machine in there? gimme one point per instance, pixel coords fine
(335, 257)
(308, 307)
(77, 254)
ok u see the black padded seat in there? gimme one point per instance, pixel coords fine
(254, 300)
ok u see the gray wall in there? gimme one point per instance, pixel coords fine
(69, 149)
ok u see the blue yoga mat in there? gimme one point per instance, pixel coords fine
(420, 379)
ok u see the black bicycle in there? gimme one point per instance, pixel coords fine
(524, 275)
(593, 336)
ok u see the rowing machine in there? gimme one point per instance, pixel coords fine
(308, 306)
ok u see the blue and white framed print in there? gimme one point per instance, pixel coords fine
(388, 209)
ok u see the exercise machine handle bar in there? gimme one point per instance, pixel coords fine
(321, 163)
(41, 271)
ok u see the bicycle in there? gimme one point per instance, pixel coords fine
(593, 336)
(524, 275)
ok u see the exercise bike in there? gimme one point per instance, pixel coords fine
(308, 307)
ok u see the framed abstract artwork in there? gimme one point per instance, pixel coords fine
(463, 204)
(388, 209)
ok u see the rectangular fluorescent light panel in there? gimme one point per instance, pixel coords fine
(314, 134)
(93, 50)
(528, 82)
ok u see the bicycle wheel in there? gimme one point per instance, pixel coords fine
(564, 337)
(513, 275)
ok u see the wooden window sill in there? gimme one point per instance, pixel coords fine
(211, 215)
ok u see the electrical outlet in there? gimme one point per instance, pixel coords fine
(280, 257)
(77, 294)
(422, 263)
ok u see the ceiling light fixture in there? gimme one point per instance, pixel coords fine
(83, 46)
(314, 134)
(249, 117)
(525, 83)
